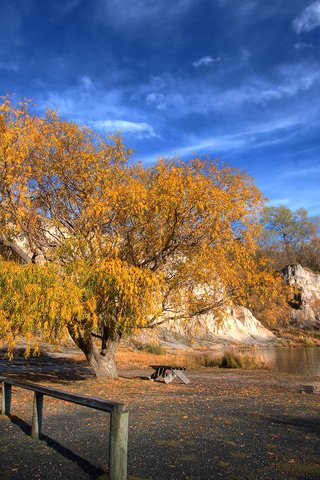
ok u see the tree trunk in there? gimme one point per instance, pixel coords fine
(101, 360)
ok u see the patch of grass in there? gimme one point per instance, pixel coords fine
(231, 359)
(298, 337)
(209, 361)
(142, 359)
(154, 348)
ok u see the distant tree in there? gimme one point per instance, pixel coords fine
(110, 246)
(287, 232)
(309, 255)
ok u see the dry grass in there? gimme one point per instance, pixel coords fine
(141, 359)
(230, 359)
(297, 337)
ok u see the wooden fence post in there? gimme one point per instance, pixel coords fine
(6, 398)
(118, 447)
(37, 416)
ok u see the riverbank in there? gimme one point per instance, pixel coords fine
(224, 424)
(297, 337)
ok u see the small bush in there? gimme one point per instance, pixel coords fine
(209, 361)
(154, 348)
(232, 360)
(310, 342)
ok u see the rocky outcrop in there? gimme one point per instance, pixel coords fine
(236, 325)
(305, 304)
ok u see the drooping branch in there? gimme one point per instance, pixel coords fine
(16, 249)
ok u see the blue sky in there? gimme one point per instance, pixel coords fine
(234, 79)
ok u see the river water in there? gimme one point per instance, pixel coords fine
(292, 360)
(303, 360)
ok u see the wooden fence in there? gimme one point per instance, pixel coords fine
(118, 440)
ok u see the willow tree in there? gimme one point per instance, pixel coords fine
(134, 246)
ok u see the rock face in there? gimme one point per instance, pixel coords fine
(237, 325)
(305, 311)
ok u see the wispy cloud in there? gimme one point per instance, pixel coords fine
(9, 67)
(265, 134)
(303, 45)
(308, 19)
(86, 81)
(142, 129)
(130, 14)
(82, 102)
(68, 6)
(206, 61)
(304, 171)
(181, 97)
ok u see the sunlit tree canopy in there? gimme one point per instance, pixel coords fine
(124, 244)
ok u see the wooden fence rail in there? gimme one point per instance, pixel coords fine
(118, 443)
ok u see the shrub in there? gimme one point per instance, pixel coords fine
(232, 360)
(209, 361)
(154, 348)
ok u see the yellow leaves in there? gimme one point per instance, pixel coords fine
(35, 302)
(122, 295)
(124, 240)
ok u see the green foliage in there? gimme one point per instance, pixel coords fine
(289, 226)
(290, 236)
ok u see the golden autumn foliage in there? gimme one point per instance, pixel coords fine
(43, 303)
(128, 243)
(35, 303)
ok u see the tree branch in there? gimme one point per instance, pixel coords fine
(16, 249)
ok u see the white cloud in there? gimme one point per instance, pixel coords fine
(98, 109)
(308, 19)
(181, 96)
(205, 61)
(80, 103)
(140, 129)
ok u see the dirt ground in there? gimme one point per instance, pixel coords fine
(225, 424)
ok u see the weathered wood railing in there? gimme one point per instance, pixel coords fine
(118, 443)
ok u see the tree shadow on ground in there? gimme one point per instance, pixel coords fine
(85, 465)
(45, 368)
(311, 424)
(133, 377)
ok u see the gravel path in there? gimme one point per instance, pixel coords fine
(224, 424)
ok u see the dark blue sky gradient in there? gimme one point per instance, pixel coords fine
(234, 79)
